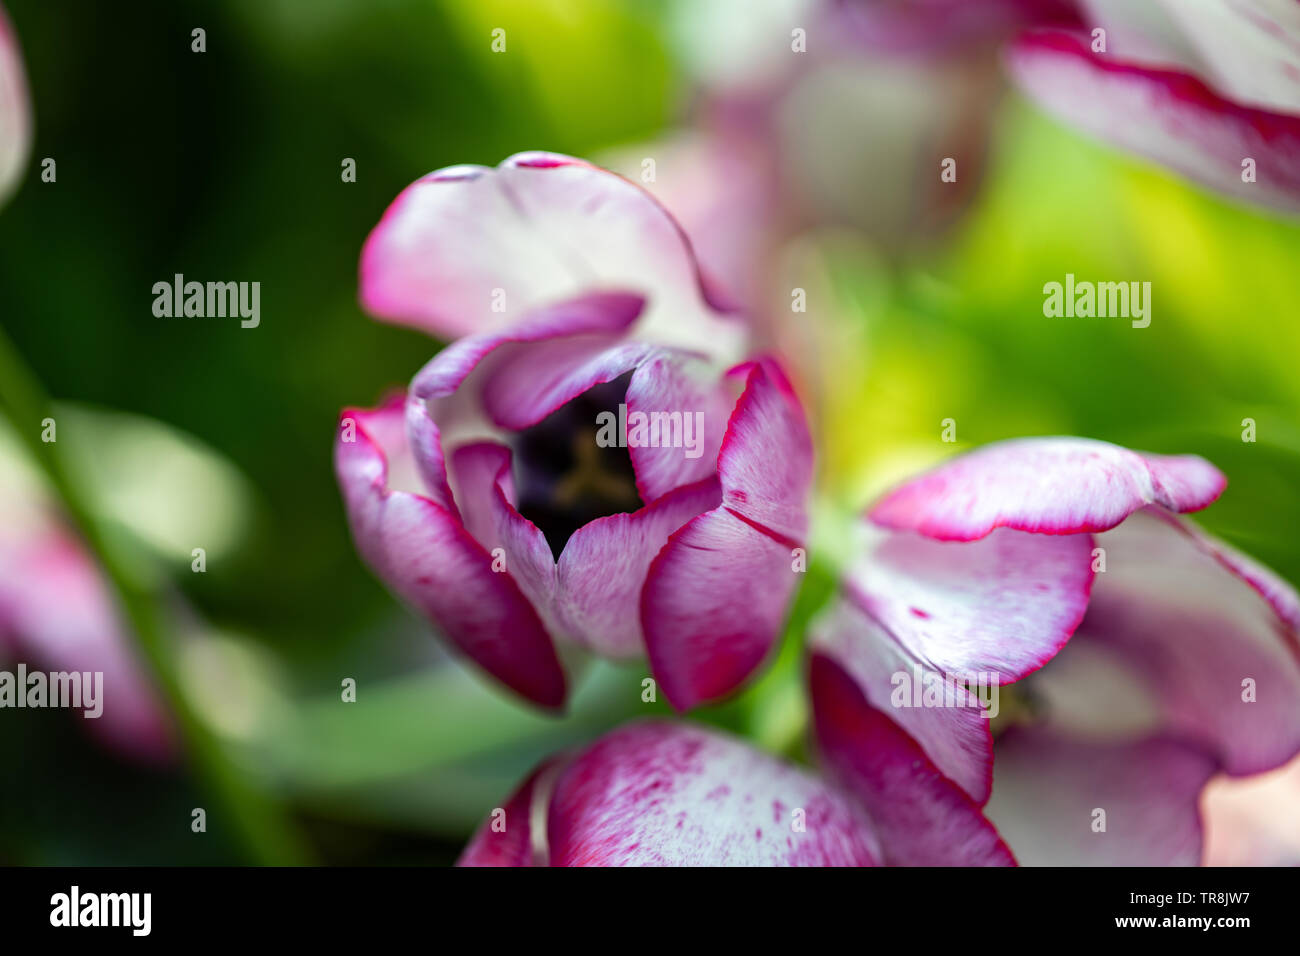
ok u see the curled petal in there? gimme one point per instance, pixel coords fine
(922, 817)
(472, 249)
(1168, 116)
(597, 319)
(424, 554)
(1003, 605)
(603, 568)
(672, 382)
(531, 383)
(1047, 485)
(512, 380)
(663, 794)
(1053, 794)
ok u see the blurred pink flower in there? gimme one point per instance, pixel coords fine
(57, 614)
(15, 111)
(850, 129)
(1209, 89)
(818, 116)
(657, 793)
(1253, 821)
(1185, 663)
(487, 497)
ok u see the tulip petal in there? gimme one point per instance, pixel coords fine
(716, 595)
(1146, 33)
(424, 554)
(765, 463)
(472, 249)
(507, 837)
(530, 383)
(713, 604)
(922, 817)
(1168, 116)
(957, 739)
(1047, 485)
(1251, 48)
(678, 383)
(1048, 789)
(1219, 662)
(603, 568)
(1003, 604)
(597, 320)
(663, 794)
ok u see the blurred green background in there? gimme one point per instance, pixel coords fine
(227, 165)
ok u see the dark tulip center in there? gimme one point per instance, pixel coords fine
(563, 477)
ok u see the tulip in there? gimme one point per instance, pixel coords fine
(657, 793)
(484, 497)
(1153, 656)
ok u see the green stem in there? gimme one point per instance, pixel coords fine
(259, 824)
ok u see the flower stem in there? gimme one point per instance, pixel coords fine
(259, 824)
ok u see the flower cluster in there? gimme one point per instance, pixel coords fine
(1137, 657)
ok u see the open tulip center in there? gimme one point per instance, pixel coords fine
(564, 478)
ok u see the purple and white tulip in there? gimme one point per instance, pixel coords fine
(1152, 655)
(483, 496)
(657, 793)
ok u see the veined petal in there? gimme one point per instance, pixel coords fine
(666, 794)
(1050, 791)
(1047, 485)
(1168, 116)
(473, 249)
(1251, 48)
(714, 601)
(1145, 33)
(921, 816)
(766, 459)
(716, 595)
(425, 555)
